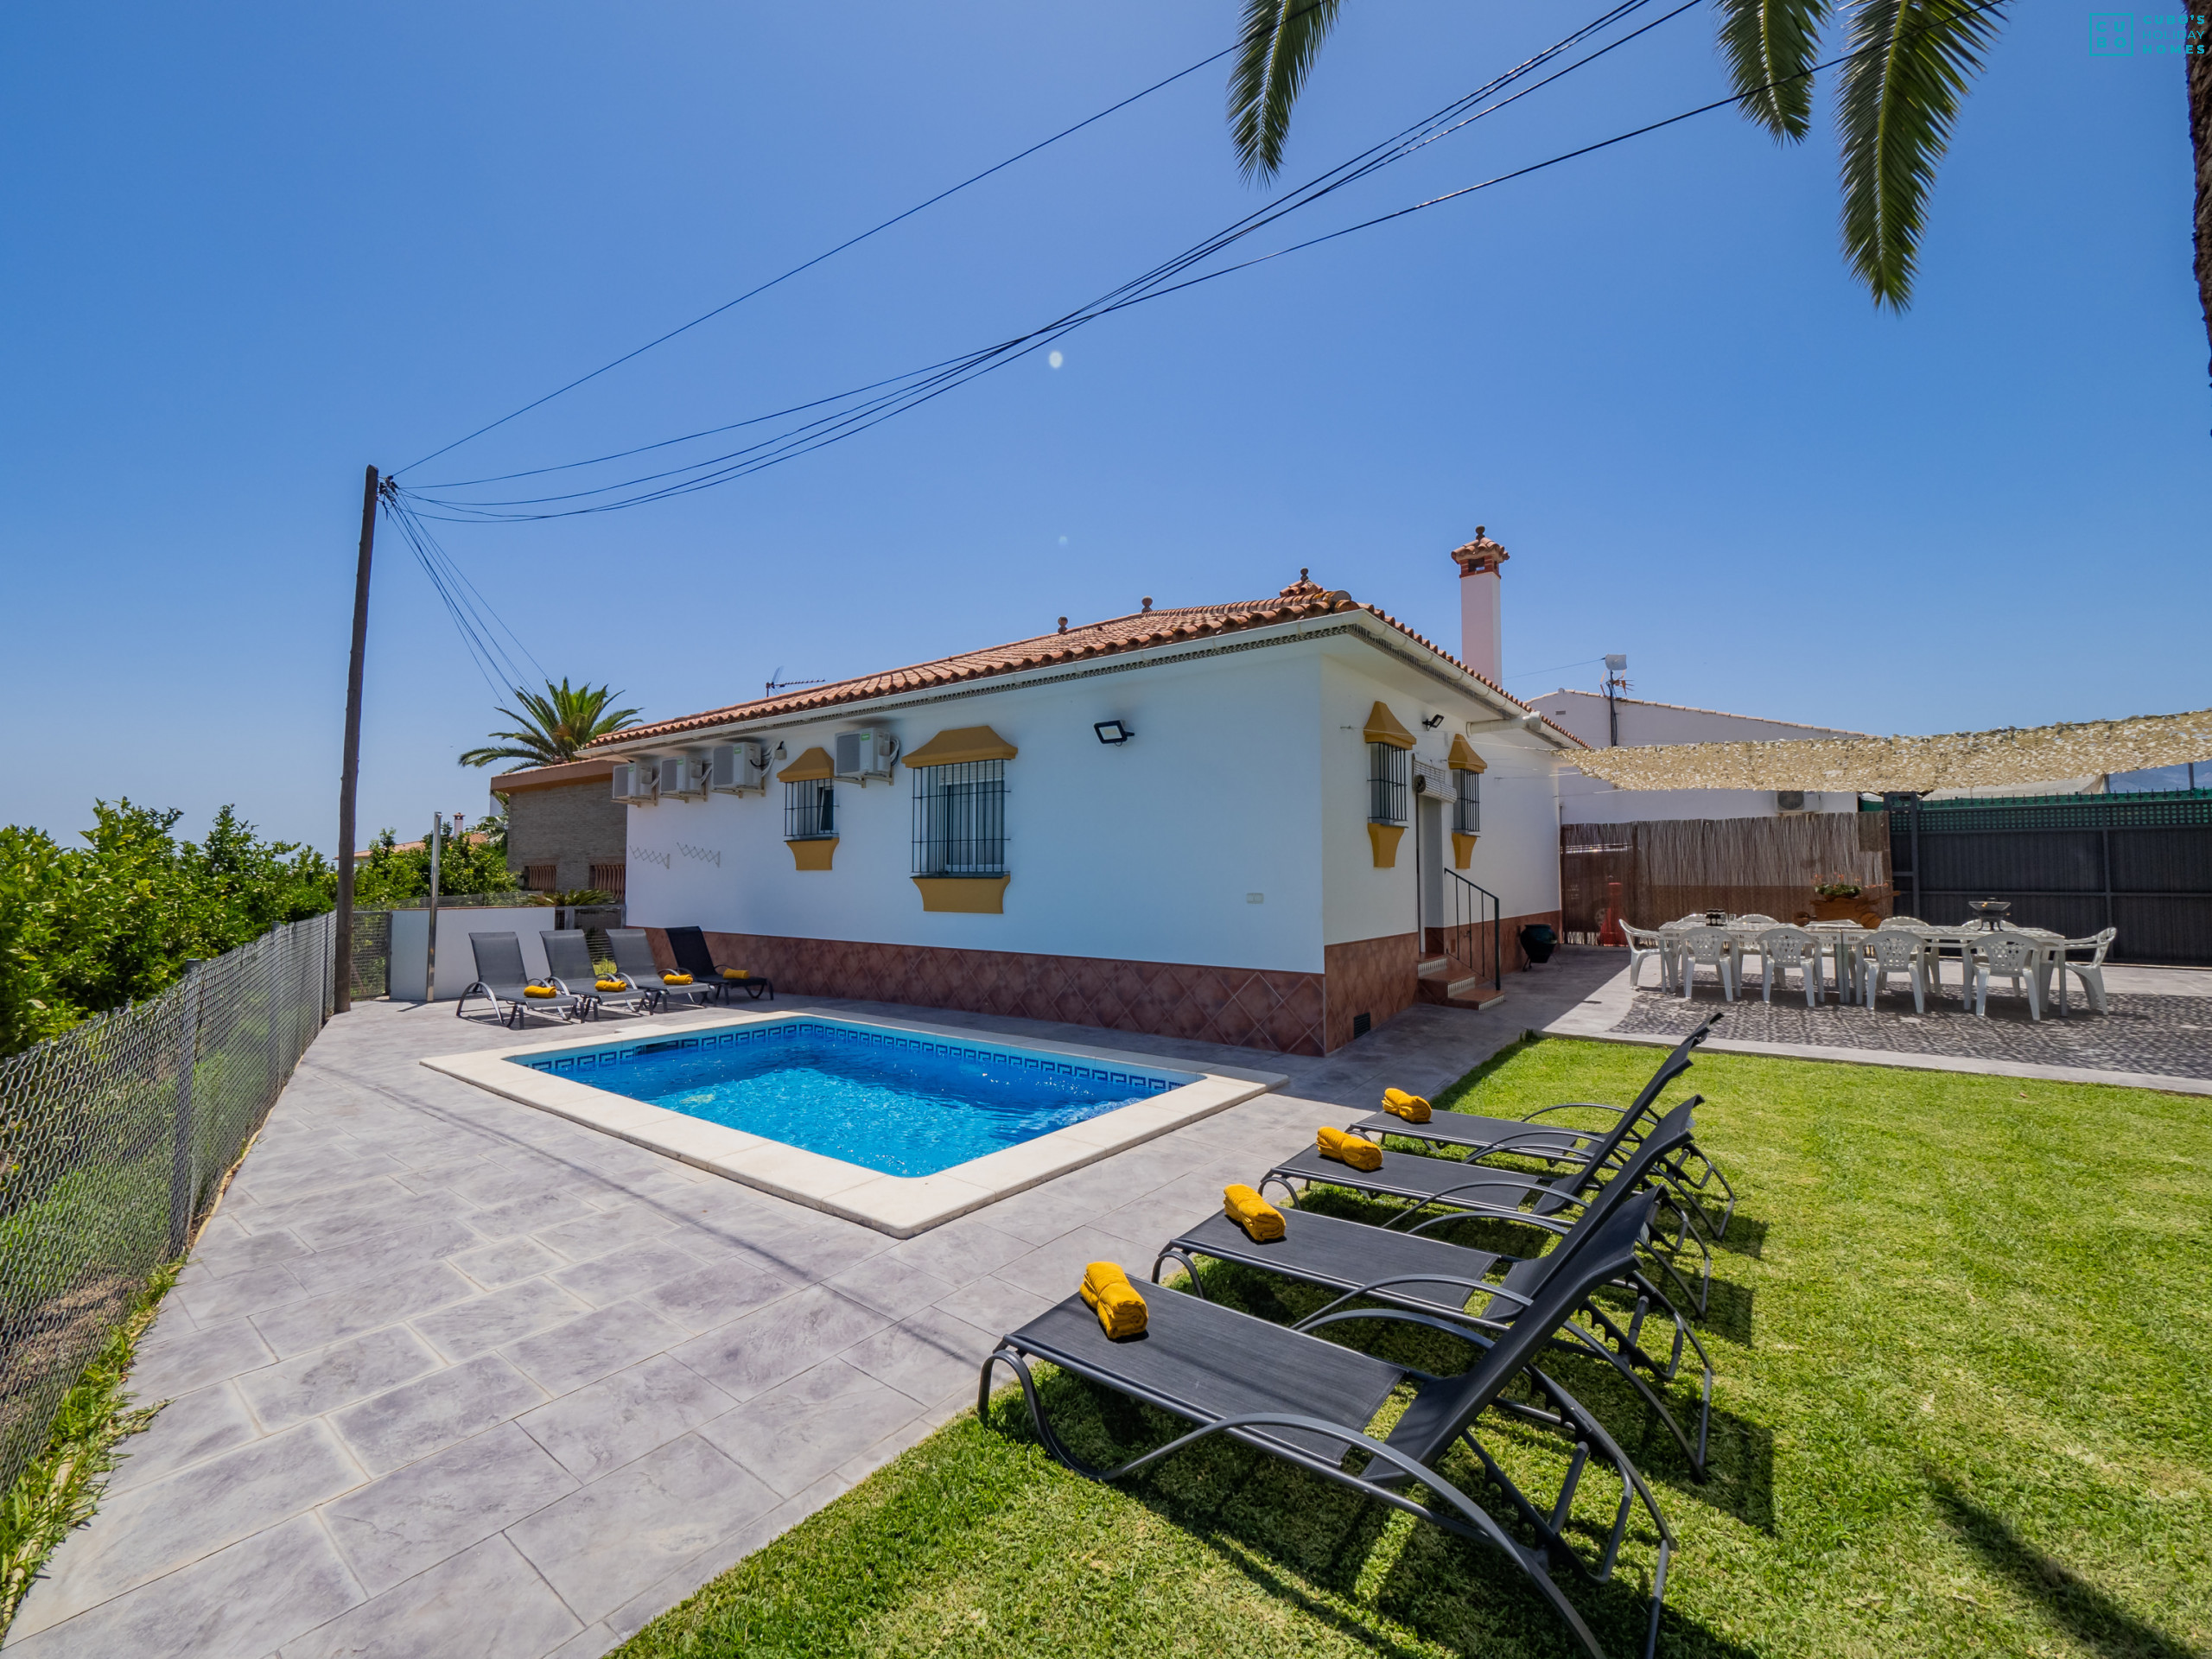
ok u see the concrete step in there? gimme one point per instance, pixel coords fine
(1429, 966)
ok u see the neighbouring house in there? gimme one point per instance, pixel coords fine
(564, 830)
(1602, 722)
(1259, 823)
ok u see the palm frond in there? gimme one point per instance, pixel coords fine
(1770, 47)
(1900, 92)
(1280, 39)
(555, 726)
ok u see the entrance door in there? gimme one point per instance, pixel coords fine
(1430, 841)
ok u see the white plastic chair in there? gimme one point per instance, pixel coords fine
(1894, 950)
(1784, 948)
(2090, 973)
(1643, 945)
(1707, 947)
(2013, 955)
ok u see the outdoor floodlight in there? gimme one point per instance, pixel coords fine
(1112, 732)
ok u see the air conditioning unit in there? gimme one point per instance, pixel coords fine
(738, 769)
(684, 776)
(1789, 800)
(862, 755)
(636, 782)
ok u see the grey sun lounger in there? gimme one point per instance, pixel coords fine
(568, 955)
(633, 957)
(1696, 1176)
(689, 946)
(1295, 1397)
(1431, 1275)
(1549, 1203)
(500, 977)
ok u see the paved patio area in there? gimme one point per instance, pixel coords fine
(449, 1376)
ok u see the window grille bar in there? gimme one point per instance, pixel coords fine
(810, 810)
(960, 818)
(1389, 777)
(1467, 803)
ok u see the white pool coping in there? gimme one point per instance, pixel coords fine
(901, 1205)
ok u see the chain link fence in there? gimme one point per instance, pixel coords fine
(115, 1138)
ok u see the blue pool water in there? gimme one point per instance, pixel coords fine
(888, 1100)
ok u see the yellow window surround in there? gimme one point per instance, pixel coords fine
(1383, 838)
(962, 743)
(1383, 727)
(971, 895)
(1462, 848)
(814, 766)
(1463, 757)
(813, 853)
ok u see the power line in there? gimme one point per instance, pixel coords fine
(900, 393)
(708, 316)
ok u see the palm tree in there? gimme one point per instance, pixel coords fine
(1898, 94)
(555, 726)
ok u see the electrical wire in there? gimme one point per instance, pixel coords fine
(899, 393)
(474, 618)
(850, 242)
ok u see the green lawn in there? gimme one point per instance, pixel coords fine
(1964, 1405)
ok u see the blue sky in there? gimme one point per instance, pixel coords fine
(251, 248)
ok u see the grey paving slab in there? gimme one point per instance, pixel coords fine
(959, 1252)
(170, 1523)
(618, 1419)
(299, 1326)
(418, 1418)
(606, 1542)
(497, 1318)
(195, 1357)
(896, 1288)
(414, 1517)
(594, 1641)
(604, 1230)
(337, 1375)
(926, 1357)
(485, 1603)
(754, 1354)
(528, 1212)
(794, 1434)
(1054, 1270)
(246, 1599)
(991, 1303)
(592, 1345)
(240, 1294)
(722, 1290)
(367, 1261)
(240, 1251)
(185, 1431)
(626, 1272)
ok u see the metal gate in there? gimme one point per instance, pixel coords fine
(2074, 863)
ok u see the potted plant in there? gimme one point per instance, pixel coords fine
(1839, 898)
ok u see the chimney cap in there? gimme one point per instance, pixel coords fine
(1479, 556)
(1304, 587)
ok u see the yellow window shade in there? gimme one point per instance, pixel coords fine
(809, 767)
(962, 743)
(1463, 757)
(1383, 727)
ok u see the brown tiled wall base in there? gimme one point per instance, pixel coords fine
(1371, 976)
(1247, 1007)
(1515, 958)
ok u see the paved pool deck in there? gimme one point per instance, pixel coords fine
(449, 1375)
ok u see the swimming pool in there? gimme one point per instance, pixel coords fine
(892, 1099)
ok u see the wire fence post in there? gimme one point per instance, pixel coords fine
(180, 1132)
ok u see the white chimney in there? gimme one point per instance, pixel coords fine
(1481, 644)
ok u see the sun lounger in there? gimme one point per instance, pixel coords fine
(1547, 1203)
(1430, 1276)
(689, 946)
(1309, 1402)
(501, 977)
(1529, 1137)
(568, 955)
(633, 957)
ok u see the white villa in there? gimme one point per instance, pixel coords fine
(1272, 823)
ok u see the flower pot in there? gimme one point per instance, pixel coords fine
(1838, 910)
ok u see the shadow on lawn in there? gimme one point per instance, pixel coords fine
(2085, 1612)
(1345, 1560)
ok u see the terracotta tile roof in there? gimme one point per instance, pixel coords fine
(1303, 599)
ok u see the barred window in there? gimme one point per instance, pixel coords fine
(1387, 770)
(1467, 803)
(810, 810)
(960, 818)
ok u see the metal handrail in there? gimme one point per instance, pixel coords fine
(1469, 896)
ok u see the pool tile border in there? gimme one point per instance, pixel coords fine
(901, 1205)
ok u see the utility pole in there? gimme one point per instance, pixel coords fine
(341, 993)
(1616, 682)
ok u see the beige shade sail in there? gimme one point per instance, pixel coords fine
(1914, 764)
(809, 767)
(963, 743)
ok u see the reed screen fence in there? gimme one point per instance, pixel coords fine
(118, 1135)
(1671, 868)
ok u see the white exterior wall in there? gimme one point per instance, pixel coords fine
(1143, 852)
(410, 943)
(1516, 856)
(1592, 800)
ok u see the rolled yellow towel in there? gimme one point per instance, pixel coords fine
(1348, 1148)
(539, 990)
(675, 979)
(737, 973)
(610, 985)
(1261, 1221)
(1399, 1103)
(1106, 1290)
